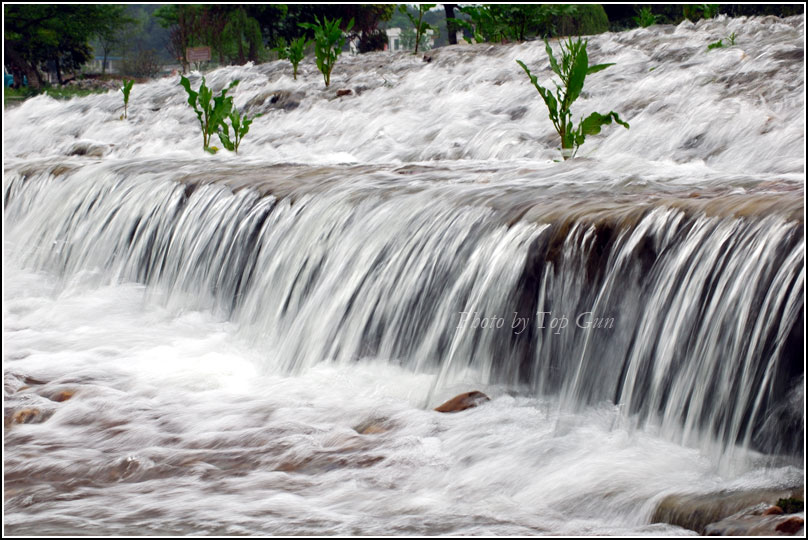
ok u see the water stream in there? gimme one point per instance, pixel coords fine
(230, 325)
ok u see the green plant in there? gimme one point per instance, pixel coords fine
(126, 88)
(694, 12)
(294, 52)
(328, 42)
(241, 126)
(516, 22)
(211, 111)
(645, 18)
(421, 26)
(572, 70)
(720, 43)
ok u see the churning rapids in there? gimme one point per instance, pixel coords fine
(231, 325)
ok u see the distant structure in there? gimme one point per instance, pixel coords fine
(395, 43)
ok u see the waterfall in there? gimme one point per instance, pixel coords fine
(423, 222)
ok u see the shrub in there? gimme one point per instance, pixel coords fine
(374, 40)
(328, 43)
(144, 63)
(572, 71)
(645, 18)
(211, 111)
(694, 12)
(514, 22)
(587, 20)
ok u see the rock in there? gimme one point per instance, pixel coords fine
(62, 395)
(27, 416)
(697, 511)
(372, 426)
(773, 510)
(792, 525)
(754, 522)
(281, 99)
(344, 92)
(88, 148)
(463, 402)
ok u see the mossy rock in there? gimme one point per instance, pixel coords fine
(589, 19)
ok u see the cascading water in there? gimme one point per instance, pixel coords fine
(226, 321)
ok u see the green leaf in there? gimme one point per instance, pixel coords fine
(577, 74)
(598, 67)
(553, 61)
(591, 124)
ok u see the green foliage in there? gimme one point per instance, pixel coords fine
(645, 18)
(585, 20)
(791, 505)
(241, 126)
(328, 43)
(694, 12)
(572, 70)
(126, 89)
(59, 34)
(420, 25)
(515, 22)
(720, 43)
(211, 111)
(294, 52)
(242, 41)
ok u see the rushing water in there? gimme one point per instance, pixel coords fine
(255, 342)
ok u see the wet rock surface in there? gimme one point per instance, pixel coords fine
(722, 513)
(756, 522)
(462, 402)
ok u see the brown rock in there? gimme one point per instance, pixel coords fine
(63, 395)
(791, 525)
(774, 510)
(345, 92)
(25, 416)
(463, 402)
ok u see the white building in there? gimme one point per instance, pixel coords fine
(395, 43)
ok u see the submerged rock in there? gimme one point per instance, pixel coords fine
(755, 521)
(697, 511)
(463, 402)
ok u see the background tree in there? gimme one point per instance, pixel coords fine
(52, 37)
(112, 34)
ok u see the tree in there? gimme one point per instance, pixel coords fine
(451, 27)
(110, 35)
(52, 36)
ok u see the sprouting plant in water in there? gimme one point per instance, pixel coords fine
(572, 70)
(720, 43)
(328, 42)
(421, 26)
(241, 126)
(211, 111)
(126, 89)
(294, 52)
(645, 18)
